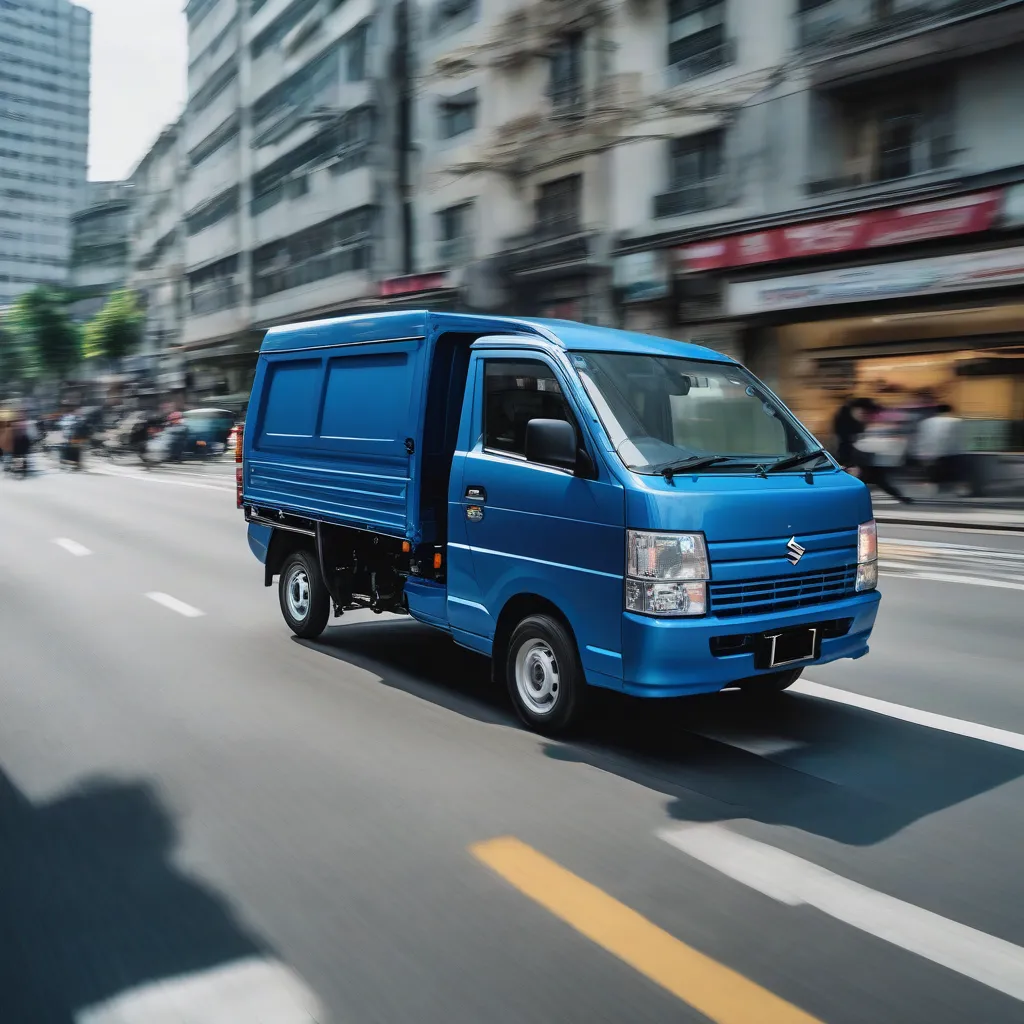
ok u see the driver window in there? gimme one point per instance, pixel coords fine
(516, 392)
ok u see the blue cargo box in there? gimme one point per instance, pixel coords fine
(343, 431)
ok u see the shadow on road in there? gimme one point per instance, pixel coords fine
(836, 771)
(92, 907)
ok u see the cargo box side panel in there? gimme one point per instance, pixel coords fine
(331, 434)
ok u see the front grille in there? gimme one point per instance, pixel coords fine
(779, 593)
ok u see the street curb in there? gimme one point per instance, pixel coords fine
(950, 524)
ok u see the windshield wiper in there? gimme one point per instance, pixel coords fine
(795, 460)
(669, 470)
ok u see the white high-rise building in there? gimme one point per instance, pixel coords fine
(44, 138)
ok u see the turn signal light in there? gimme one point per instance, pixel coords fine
(406, 547)
(238, 443)
(437, 559)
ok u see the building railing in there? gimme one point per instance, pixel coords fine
(704, 63)
(848, 24)
(710, 194)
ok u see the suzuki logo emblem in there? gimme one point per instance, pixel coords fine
(796, 551)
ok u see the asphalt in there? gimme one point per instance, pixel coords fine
(199, 810)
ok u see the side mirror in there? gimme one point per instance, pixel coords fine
(551, 443)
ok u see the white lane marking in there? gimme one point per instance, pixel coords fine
(72, 547)
(797, 882)
(943, 577)
(943, 723)
(253, 989)
(154, 478)
(175, 605)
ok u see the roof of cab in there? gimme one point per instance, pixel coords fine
(388, 326)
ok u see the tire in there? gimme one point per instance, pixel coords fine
(772, 684)
(544, 675)
(305, 603)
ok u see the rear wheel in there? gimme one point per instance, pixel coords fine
(305, 603)
(769, 685)
(544, 675)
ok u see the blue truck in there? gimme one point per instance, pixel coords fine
(586, 506)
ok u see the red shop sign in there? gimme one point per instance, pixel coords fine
(413, 284)
(902, 225)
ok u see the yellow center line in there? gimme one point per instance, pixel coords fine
(714, 990)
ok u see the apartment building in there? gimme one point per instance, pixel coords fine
(292, 198)
(157, 264)
(44, 138)
(99, 247)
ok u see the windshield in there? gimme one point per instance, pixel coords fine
(661, 411)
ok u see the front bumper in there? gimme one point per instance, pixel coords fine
(673, 657)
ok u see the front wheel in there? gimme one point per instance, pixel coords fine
(305, 603)
(544, 675)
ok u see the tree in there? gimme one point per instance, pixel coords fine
(44, 330)
(13, 368)
(117, 328)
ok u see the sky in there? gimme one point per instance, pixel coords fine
(139, 73)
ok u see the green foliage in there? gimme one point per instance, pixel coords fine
(14, 363)
(47, 339)
(118, 327)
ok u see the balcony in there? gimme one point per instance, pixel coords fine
(706, 62)
(561, 244)
(214, 316)
(869, 37)
(710, 194)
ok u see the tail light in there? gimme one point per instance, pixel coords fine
(238, 466)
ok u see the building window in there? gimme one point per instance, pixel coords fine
(357, 44)
(217, 209)
(337, 246)
(214, 288)
(559, 207)
(697, 43)
(457, 114)
(452, 16)
(889, 137)
(514, 394)
(455, 234)
(343, 147)
(305, 86)
(566, 83)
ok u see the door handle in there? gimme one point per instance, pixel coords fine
(476, 493)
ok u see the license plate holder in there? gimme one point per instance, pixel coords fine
(782, 647)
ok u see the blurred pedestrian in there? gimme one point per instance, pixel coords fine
(940, 446)
(864, 449)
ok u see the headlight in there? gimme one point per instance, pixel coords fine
(666, 574)
(867, 556)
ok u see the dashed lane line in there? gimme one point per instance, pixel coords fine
(72, 547)
(943, 723)
(718, 992)
(175, 605)
(797, 882)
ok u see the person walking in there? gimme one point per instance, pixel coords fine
(940, 447)
(861, 453)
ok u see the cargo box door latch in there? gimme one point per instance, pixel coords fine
(410, 445)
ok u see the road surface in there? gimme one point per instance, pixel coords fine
(201, 815)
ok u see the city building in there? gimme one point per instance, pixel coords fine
(99, 247)
(44, 139)
(293, 200)
(157, 257)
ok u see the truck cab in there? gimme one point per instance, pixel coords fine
(588, 507)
